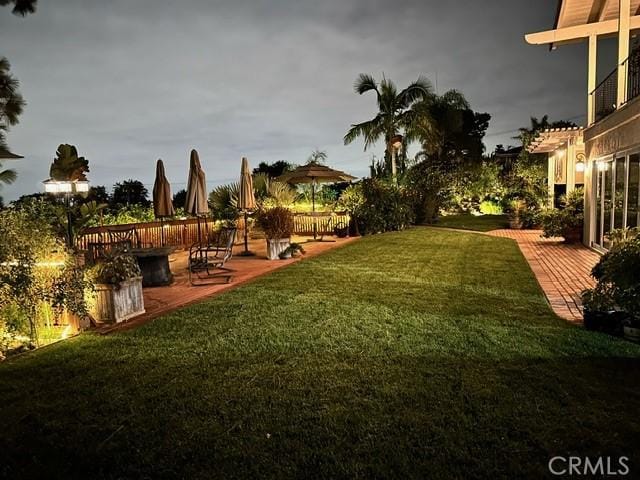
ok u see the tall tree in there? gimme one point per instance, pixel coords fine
(11, 102)
(130, 192)
(20, 7)
(274, 169)
(395, 111)
(180, 198)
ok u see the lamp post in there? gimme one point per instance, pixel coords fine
(395, 143)
(66, 189)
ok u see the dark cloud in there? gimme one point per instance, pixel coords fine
(130, 82)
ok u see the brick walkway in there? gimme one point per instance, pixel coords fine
(161, 300)
(562, 270)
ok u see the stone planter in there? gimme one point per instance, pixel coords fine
(117, 303)
(276, 246)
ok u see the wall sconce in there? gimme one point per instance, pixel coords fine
(580, 164)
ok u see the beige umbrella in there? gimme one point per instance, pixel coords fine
(196, 202)
(162, 204)
(315, 173)
(246, 200)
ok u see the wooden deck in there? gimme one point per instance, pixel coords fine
(161, 300)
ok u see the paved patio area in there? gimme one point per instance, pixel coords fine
(161, 300)
(562, 270)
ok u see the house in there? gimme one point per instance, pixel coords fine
(612, 136)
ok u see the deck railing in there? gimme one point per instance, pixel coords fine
(183, 233)
(605, 95)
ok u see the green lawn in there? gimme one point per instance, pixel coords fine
(421, 354)
(480, 223)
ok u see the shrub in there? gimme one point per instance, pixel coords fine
(490, 207)
(618, 282)
(559, 222)
(385, 207)
(276, 222)
(115, 269)
(38, 279)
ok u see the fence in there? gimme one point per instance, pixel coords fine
(182, 233)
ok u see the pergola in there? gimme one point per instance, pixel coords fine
(566, 159)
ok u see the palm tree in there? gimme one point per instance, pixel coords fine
(438, 120)
(395, 111)
(11, 102)
(20, 7)
(317, 156)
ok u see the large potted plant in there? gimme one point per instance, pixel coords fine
(118, 289)
(567, 221)
(277, 225)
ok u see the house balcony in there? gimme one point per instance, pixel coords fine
(605, 96)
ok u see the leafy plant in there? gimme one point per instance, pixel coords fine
(223, 201)
(276, 222)
(559, 222)
(618, 236)
(68, 165)
(115, 269)
(292, 250)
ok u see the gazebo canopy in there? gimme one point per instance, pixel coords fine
(315, 172)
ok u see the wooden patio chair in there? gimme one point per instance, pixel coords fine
(207, 260)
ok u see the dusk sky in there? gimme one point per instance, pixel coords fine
(130, 82)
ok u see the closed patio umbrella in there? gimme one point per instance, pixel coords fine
(162, 204)
(196, 202)
(314, 173)
(246, 200)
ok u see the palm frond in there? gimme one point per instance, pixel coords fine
(421, 89)
(365, 83)
(370, 130)
(8, 176)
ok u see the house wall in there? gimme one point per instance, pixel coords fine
(615, 136)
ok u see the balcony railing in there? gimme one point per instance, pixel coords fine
(605, 95)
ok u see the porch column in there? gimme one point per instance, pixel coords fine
(570, 165)
(591, 80)
(623, 50)
(551, 178)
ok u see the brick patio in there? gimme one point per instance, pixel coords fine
(562, 270)
(161, 300)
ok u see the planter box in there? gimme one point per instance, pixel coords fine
(276, 246)
(572, 235)
(118, 303)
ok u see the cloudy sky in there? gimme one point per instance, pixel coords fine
(129, 82)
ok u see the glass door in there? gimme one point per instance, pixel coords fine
(603, 173)
(633, 199)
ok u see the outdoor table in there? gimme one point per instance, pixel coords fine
(154, 264)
